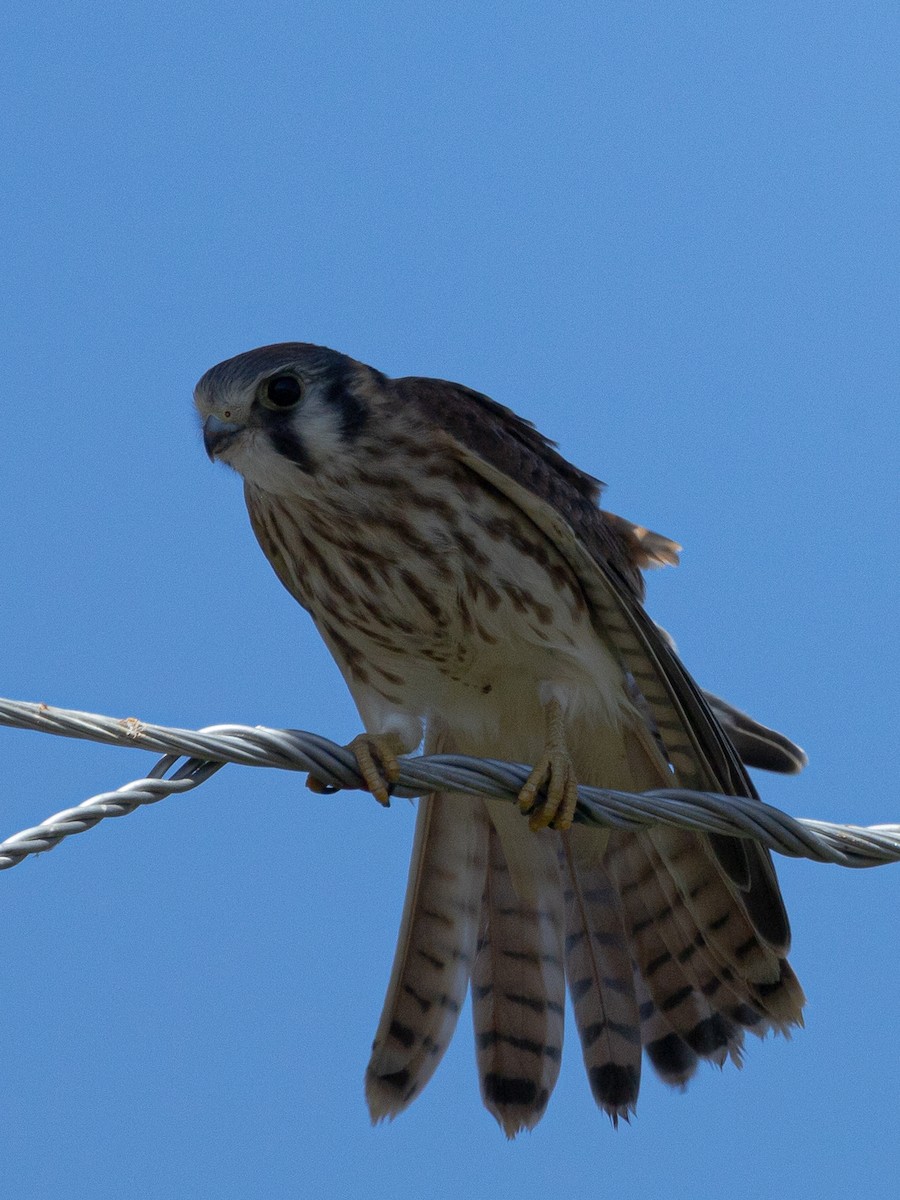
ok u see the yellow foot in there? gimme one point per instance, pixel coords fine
(376, 757)
(551, 790)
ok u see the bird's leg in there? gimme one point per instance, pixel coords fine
(376, 757)
(551, 790)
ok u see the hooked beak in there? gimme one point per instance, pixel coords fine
(218, 435)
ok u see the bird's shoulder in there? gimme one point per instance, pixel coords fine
(512, 445)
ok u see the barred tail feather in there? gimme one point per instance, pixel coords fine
(707, 905)
(518, 987)
(672, 1058)
(601, 983)
(707, 972)
(435, 951)
(666, 956)
(782, 1001)
(726, 912)
(699, 996)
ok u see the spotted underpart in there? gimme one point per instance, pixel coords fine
(466, 583)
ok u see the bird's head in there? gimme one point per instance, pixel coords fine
(282, 412)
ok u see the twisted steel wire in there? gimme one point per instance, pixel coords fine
(208, 750)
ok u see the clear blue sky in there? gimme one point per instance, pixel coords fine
(666, 233)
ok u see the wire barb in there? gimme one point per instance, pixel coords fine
(207, 750)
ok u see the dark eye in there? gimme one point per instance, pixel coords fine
(282, 391)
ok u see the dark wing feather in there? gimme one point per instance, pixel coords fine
(509, 454)
(758, 745)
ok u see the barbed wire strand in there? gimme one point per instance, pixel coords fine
(207, 750)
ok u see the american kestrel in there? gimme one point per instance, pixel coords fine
(468, 585)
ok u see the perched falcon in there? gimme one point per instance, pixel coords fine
(468, 586)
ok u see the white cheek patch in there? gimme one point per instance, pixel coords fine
(319, 426)
(254, 457)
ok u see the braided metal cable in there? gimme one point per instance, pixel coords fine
(207, 750)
